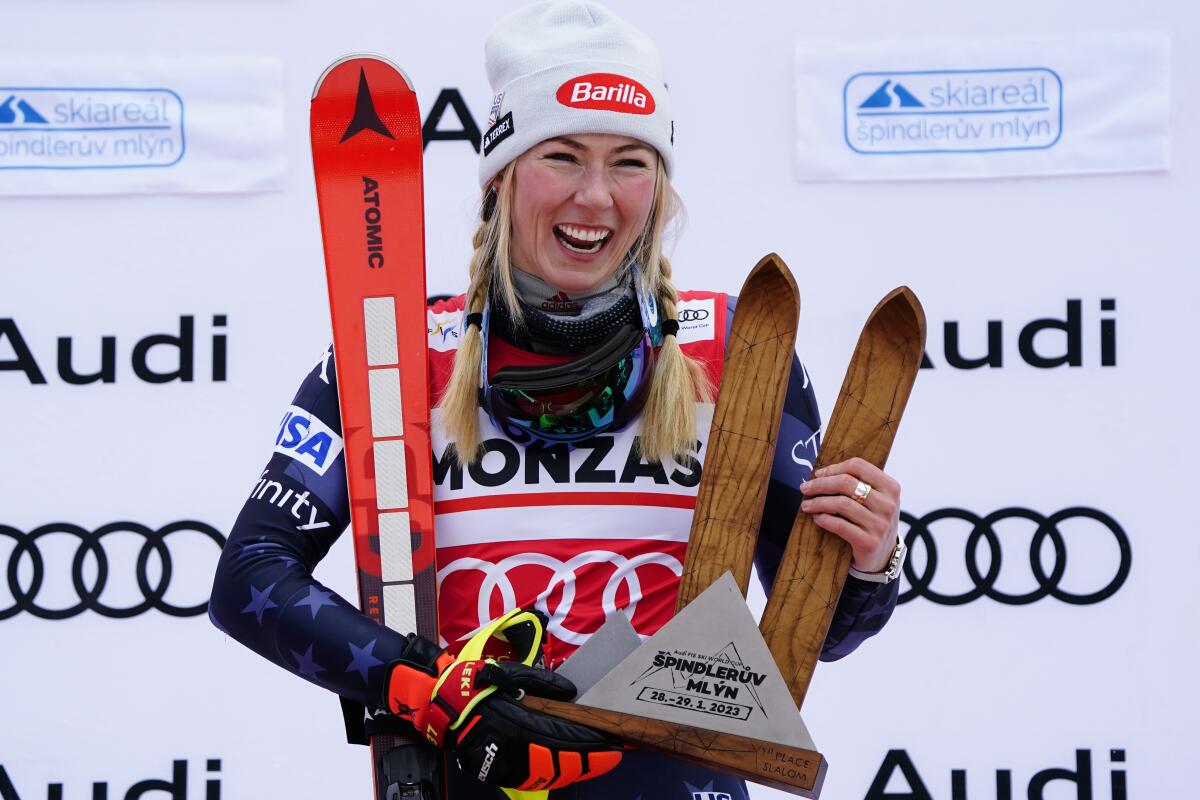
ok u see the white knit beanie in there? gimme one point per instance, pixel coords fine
(571, 66)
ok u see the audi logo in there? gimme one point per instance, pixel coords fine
(920, 540)
(497, 578)
(693, 314)
(25, 592)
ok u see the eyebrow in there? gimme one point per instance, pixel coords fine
(575, 145)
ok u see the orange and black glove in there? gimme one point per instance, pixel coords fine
(470, 705)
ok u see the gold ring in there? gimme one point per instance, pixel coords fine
(861, 491)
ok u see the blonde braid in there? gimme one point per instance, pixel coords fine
(669, 418)
(460, 402)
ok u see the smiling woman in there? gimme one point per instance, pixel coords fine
(579, 204)
(569, 431)
(569, 253)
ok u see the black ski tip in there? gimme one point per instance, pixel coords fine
(365, 118)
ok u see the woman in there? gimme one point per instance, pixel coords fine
(572, 412)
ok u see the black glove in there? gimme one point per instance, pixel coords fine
(470, 705)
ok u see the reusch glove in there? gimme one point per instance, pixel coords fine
(470, 705)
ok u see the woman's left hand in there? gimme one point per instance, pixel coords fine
(870, 527)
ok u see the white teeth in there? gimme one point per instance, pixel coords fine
(584, 234)
(591, 249)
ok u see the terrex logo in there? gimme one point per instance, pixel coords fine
(604, 91)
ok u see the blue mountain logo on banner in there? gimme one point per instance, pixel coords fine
(888, 94)
(23, 112)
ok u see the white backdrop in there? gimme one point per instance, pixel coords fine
(978, 687)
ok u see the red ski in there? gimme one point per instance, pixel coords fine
(366, 146)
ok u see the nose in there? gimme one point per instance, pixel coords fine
(595, 191)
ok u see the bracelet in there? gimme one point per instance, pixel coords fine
(891, 571)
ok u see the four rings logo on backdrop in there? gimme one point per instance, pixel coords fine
(87, 569)
(973, 580)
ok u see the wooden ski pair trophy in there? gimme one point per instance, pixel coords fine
(708, 687)
(713, 687)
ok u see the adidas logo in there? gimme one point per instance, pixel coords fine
(560, 302)
(15, 111)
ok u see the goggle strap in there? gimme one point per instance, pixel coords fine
(586, 367)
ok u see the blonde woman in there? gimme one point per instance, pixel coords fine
(573, 387)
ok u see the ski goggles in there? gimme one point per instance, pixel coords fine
(600, 391)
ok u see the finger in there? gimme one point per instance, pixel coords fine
(512, 676)
(863, 470)
(858, 539)
(848, 509)
(845, 484)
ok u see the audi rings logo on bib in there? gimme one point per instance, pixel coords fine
(697, 320)
(1015, 556)
(576, 583)
(120, 570)
(604, 91)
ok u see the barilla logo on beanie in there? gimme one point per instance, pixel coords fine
(604, 91)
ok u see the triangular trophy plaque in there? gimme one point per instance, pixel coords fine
(710, 668)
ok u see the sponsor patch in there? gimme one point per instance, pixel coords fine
(280, 496)
(444, 329)
(697, 320)
(494, 113)
(307, 439)
(604, 91)
(490, 756)
(498, 133)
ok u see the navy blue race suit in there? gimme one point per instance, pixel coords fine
(265, 596)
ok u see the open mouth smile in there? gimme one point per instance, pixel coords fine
(583, 240)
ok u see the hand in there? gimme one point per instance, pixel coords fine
(870, 528)
(471, 706)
